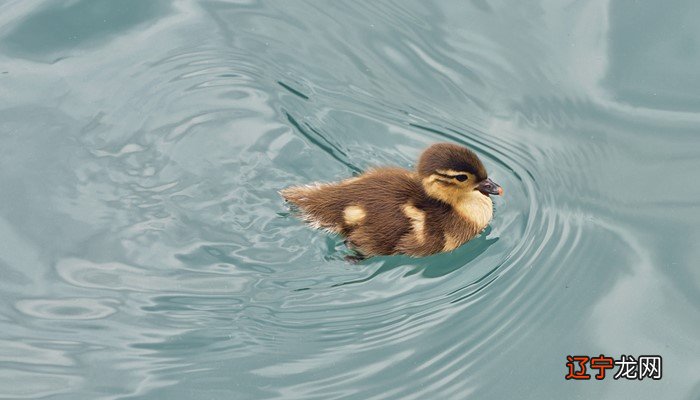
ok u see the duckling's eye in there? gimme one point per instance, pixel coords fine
(461, 178)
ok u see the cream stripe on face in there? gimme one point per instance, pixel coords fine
(452, 175)
(450, 172)
(439, 178)
(417, 218)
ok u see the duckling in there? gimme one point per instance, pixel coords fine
(438, 207)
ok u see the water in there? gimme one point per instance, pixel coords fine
(145, 254)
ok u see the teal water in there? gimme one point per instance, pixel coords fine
(145, 254)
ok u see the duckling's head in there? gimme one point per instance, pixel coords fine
(450, 173)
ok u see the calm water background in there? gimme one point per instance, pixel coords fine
(145, 254)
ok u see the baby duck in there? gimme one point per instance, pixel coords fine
(438, 207)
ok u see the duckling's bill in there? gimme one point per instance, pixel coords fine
(487, 187)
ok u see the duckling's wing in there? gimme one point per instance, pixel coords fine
(344, 206)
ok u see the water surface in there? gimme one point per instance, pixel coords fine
(145, 254)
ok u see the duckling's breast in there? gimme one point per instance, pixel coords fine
(477, 209)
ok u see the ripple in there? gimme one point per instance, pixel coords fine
(33, 353)
(29, 385)
(117, 276)
(67, 308)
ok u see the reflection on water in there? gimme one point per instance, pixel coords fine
(59, 28)
(145, 253)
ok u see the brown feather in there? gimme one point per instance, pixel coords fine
(450, 156)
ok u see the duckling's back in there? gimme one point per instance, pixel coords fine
(384, 211)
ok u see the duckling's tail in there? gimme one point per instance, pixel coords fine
(295, 195)
(319, 205)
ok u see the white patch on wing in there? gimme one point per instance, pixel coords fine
(354, 215)
(417, 218)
